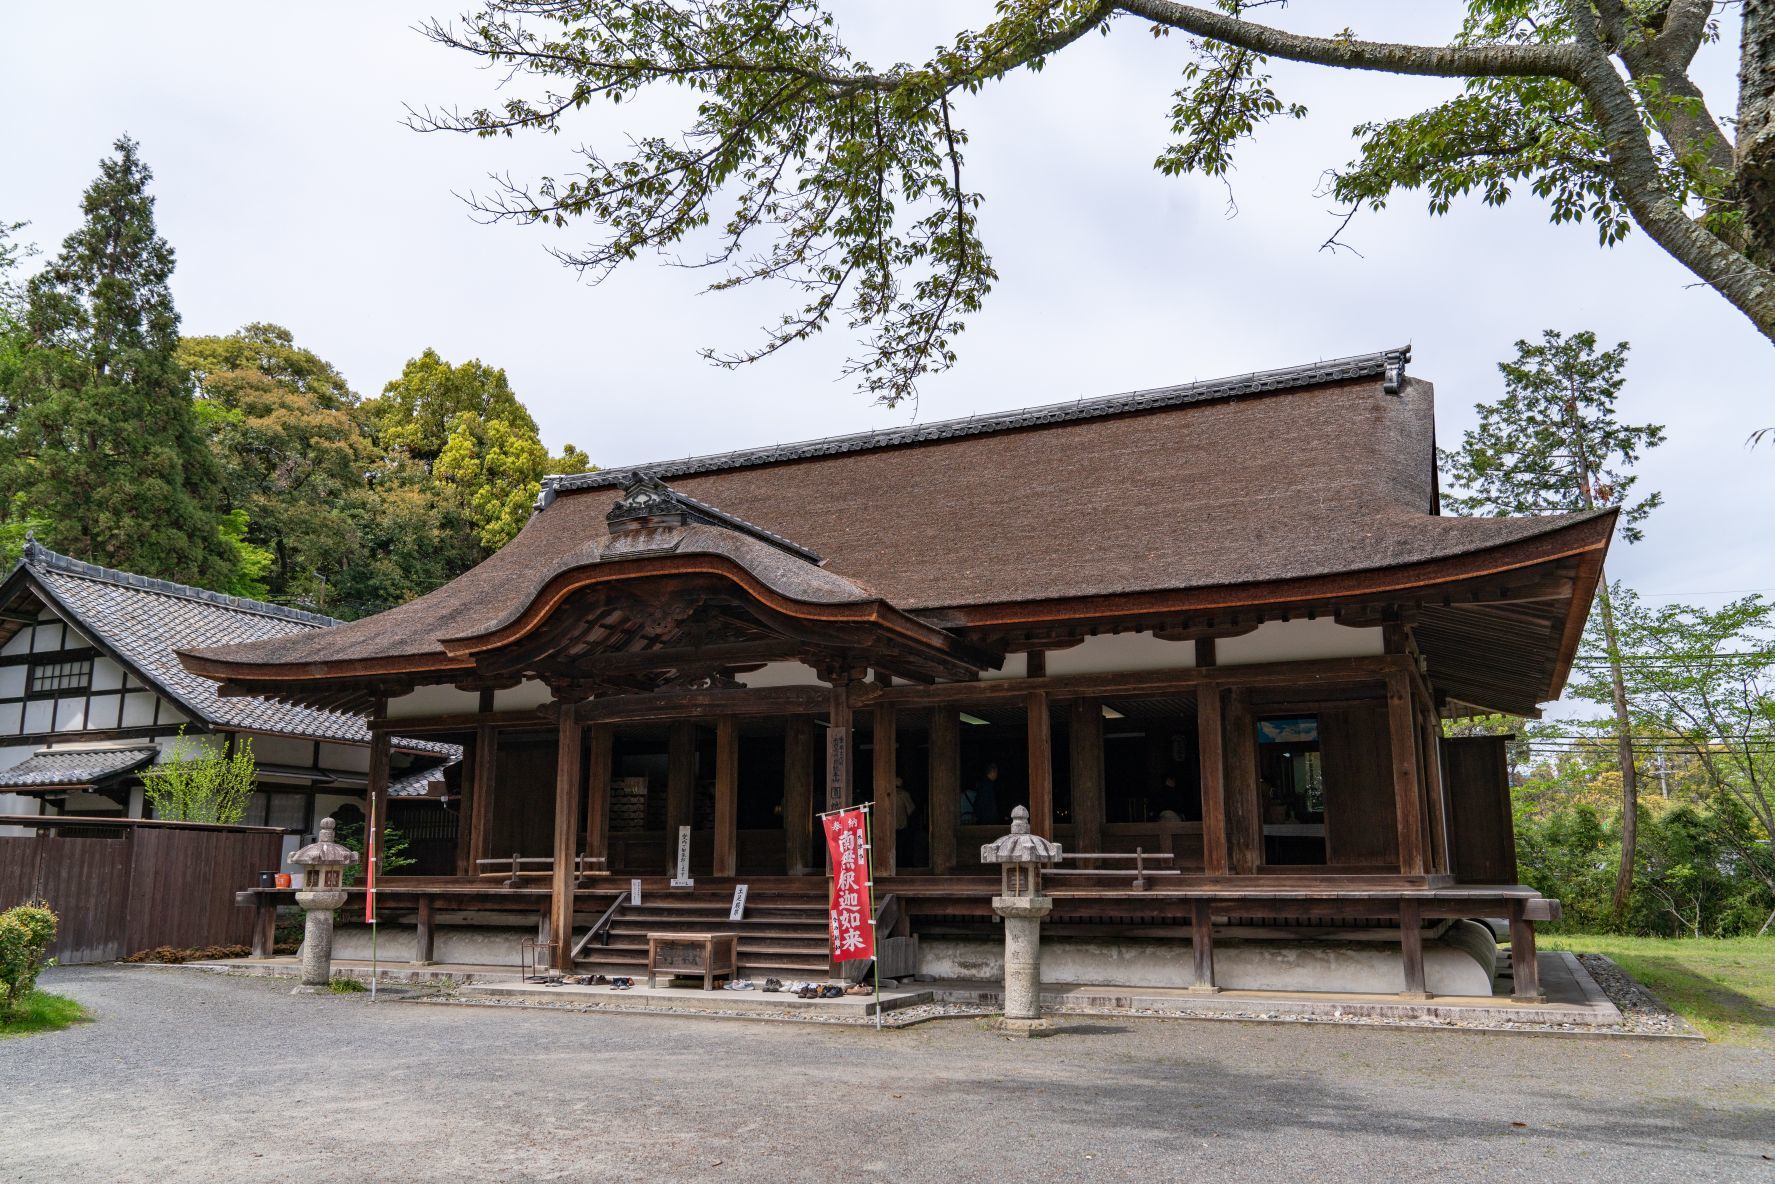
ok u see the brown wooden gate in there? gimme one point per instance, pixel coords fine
(122, 885)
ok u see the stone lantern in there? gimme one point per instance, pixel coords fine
(1021, 856)
(322, 891)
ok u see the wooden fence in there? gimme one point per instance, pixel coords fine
(122, 885)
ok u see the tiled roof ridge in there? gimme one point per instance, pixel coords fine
(39, 556)
(1387, 364)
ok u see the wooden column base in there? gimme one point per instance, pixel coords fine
(1201, 936)
(1525, 972)
(1411, 950)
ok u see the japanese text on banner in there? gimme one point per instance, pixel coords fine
(853, 909)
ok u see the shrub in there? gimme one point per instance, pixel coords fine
(26, 933)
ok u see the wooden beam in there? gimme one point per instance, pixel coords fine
(1244, 813)
(1411, 948)
(727, 794)
(423, 933)
(1177, 680)
(1403, 743)
(945, 782)
(1525, 972)
(883, 827)
(1201, 937)
(376, 789)
(838, 747)
(798, 794)
(484, 794)
(1210, 746)
(680, 786)
(462, 721)
(600, 772)
(1085, 742)
(1041, 764)
(568, 775)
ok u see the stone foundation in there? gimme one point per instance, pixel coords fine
(1458, 962)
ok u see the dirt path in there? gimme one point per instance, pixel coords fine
(188, 1076)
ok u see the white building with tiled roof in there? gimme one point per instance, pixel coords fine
(91, 692)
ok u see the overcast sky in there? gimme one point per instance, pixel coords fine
(292, 193)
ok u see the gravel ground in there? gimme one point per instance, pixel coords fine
(188, 1076)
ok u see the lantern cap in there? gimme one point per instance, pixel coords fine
(325, 849)
(1020, 846)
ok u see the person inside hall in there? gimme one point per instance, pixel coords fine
(906, 836)
(979, 805)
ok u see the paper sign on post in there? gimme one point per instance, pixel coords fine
(737, 910)
(682, 879)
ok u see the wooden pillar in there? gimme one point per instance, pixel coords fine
(600, 770)
(1085, 739)
(1435, 799)
(465, 804)
(1201, 937)
(1411, 948)
(1244, 813)
(264, 923)
(1525, 972)
(798, 794)
(883, 827)
(838, 747)
(727, 795)
(376, 791)
(1400, 732)
(568, 775)
(945, 782)
(423, 934)
(481, 801)
(680, 786)
(1210, 745)
(1041, 764)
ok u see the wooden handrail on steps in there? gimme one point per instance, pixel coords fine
(583, 866)
(600, 927)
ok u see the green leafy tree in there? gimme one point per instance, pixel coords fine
(199, 784)
(391, 859)
(1553, 444)
(294, 449)
(478, 443)
(844, 182)
(106, 439)
(1703, 682)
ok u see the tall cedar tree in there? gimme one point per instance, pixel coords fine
(107, 440)
(1553, 444)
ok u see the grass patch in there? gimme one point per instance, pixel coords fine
(1724, 986)
(342, 985)
(43, 1012)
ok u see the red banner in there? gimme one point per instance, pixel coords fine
(853, 907)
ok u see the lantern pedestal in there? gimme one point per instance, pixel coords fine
(317, 939)
(1023, 963)
(323, 865)
(1021, 855)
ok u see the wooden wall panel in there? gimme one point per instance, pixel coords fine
(1482, 837)
(1360, 827)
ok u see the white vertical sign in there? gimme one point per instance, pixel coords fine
(682, 879)
(635, 892)
(737, 910)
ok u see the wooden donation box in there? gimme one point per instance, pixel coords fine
(707, 954)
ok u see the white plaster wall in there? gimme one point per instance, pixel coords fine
(12, 680)
(422, 702)
(528, 694)
(1297, 641)
(782, 674)
(1121, 651)
(1357, 967)
(1016, 666)
(282, 750)
(354, 758)
(106, 674)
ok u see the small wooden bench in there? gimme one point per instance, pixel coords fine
(707, 954)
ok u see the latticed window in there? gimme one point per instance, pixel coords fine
(61, 678)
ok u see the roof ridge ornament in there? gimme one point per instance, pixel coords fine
(646, 501)
(1393, 376)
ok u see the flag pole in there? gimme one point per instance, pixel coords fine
(370, 893)
(875, 938)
